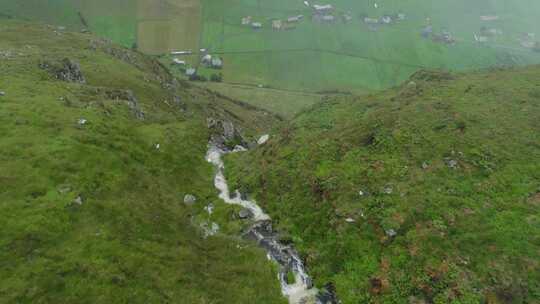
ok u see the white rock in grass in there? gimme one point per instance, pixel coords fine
(78, 200)
(2, 93)
(263, 139)
(349, 220)
(391, 233)
(239, 148)
(209, 208)
(189, 199)
(82, 121)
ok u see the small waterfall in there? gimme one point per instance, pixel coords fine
(302, 290)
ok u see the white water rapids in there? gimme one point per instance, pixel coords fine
(299, 292)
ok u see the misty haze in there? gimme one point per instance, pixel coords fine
(278, 151)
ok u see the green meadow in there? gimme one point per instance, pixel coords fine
(346, 56)
(349, 55)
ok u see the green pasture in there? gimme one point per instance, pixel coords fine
(350, 55)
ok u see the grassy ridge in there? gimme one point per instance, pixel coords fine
(132, 239)
(448, 163)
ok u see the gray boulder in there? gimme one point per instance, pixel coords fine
(189, 199)
(229, 131)
(78, 200)
(66, 70)
(244, 214)
(2, 93)
(452, 163)
(391, 233)
(63, 189)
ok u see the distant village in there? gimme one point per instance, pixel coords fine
(328, 14)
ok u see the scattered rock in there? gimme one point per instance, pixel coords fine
(228, 130)
(225, 133)
(65, 70)
(388, 190)
(157, 146)
(189, 199)
(391, 233)
(425, 165)
(78, 200)
(452, 163)
(211, 122)
(245, 214)
(263, 139)
(2, 93)
(209, 229)
(63, 189)
(128, 97)
(82, 121)
(350, 220)
(361, 193)
(209, 208)
(239, 148)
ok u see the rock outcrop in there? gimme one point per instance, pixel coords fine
(65, 70)
(189, 199)
(129, 98)
(225, 134)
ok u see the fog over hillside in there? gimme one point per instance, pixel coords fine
(270, 151)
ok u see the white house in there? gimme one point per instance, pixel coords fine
(328, 18)
(480, 38)
(386, 19)
(178, 61)
(206, 59)
(489, 18)
(217, 63)
(277, 24)
(371, 20)
(323, 8)
(181, 52)
(246, 20)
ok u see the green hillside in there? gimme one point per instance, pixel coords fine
(426, 193)
(92, 208)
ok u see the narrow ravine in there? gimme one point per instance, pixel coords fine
(302, 290)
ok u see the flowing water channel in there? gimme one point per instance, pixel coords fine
(301, 291)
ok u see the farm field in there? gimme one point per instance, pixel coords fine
(313, 56)
(284, 103)
(352, 55)
(156, 26)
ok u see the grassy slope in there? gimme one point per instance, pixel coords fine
(132, 240)
(60, 12)
(115, 20)
(283, 103)
(399, 43)
(464, 235)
